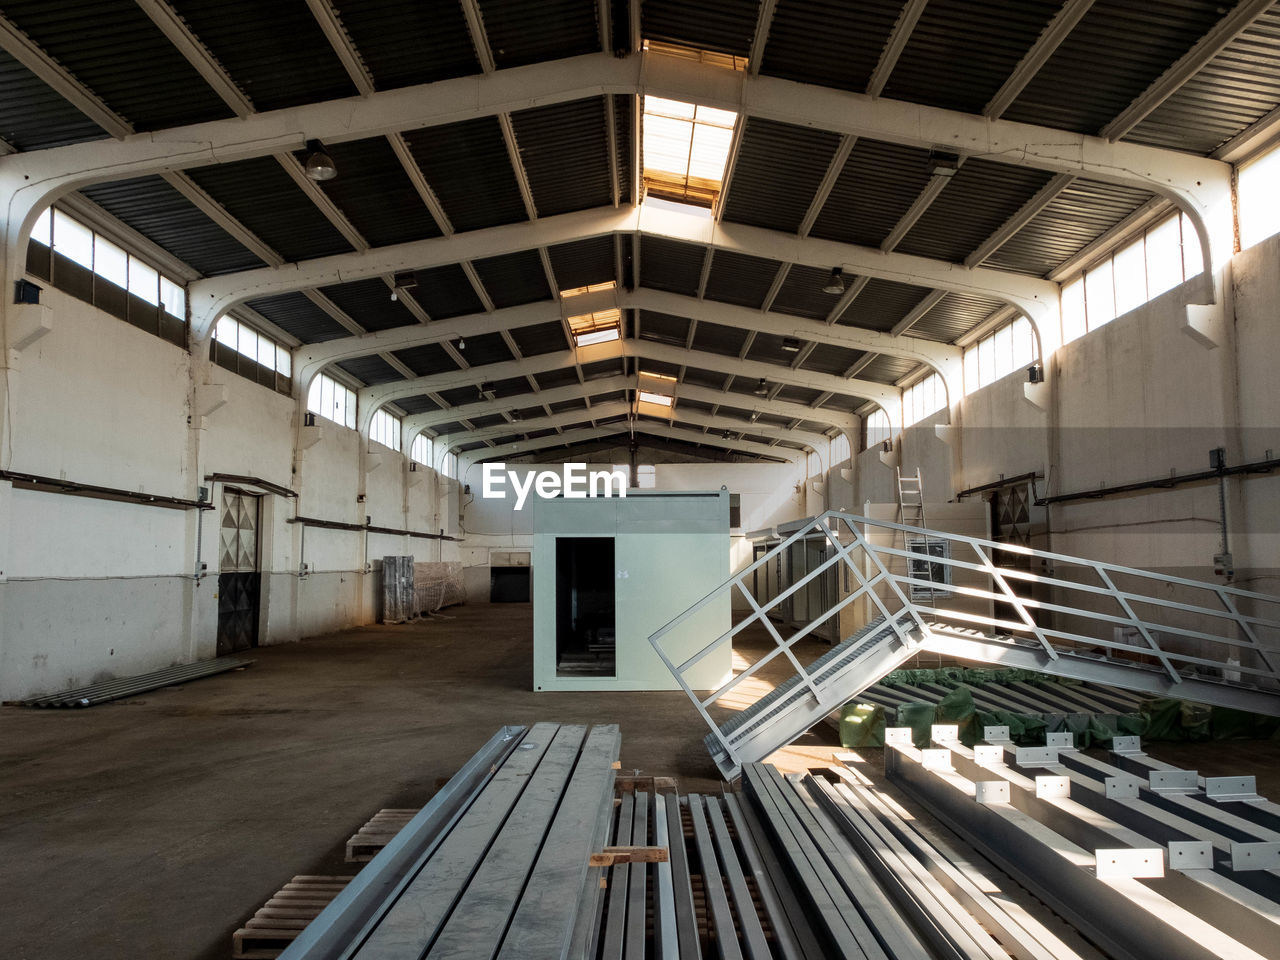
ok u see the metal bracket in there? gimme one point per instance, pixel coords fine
(1063, 741)
(1190, 855)
(988, 756)
(1048, 788)
(1035, 756)
(898, 736)
(991, 791)
(1127, 746)
(944, 732)
(1232, 789)
(1130, 863)
(1122, 788)
(936, 759)
(995, 734)
(1174, 781)
(1255, 856)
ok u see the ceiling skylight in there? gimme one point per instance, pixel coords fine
(598, 327)
(685, 150)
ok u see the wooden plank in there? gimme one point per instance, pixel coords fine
(717, 900)
(413, 921)
(752, 934)
(630, 854)
(544, 922)
(476, 925)
(686, 917)
(637, 883)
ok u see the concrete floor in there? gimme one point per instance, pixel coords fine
(154, 827)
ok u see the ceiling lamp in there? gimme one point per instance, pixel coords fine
(762, 388)
(318, 165)
(836, 283)
(791, 345)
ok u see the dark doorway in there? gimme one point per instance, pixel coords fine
(585, 630)
(508, 584)
(239, 580)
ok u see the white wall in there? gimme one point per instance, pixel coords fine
(95, 588)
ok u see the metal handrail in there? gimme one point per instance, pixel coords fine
(914, 623)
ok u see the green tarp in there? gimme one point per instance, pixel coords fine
(862, 724)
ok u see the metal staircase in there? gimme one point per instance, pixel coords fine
(1087, 620)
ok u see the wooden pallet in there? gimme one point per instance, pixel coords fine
(368, 841)
(284, 916)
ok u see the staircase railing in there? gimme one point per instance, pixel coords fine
(1052, 604)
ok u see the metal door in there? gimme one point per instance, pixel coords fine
(239, 580)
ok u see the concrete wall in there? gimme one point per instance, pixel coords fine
(94, 588)
(1136, 400)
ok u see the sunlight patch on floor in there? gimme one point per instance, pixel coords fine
(748, 691)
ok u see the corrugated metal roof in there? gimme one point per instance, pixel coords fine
(798, 394)
(418, 404)
(375, 193)
(1084, 211)
(801, 293)
(884, 369)
(466, 164)
(168, 219)
(829, 42)
(623, 105)
(265, 199)
(881, 304)
(671, 265)
(114, 49)
(740, 279)
(828, 358)
(427, 359)
(842, 402)
(768, 348)
(295, 314)
(446, 292)
(601, 369)
(520, 32)
(486, 348)
(551, 379)
(33, 117)
(663, 328)
(704, 378)
(487, 420)
(370, 370)
(878, 184)
(565, 151)
(564, 406)
(1236, 88)
(1113, 54)
(981, 196)
(583, 262)
(713, 338)
(539, 338)
(722, 26)
(961, 52)
(514, 278)
(954, 315)
(777, 173)
(405, 42)
(369, 303)
(275, 51)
